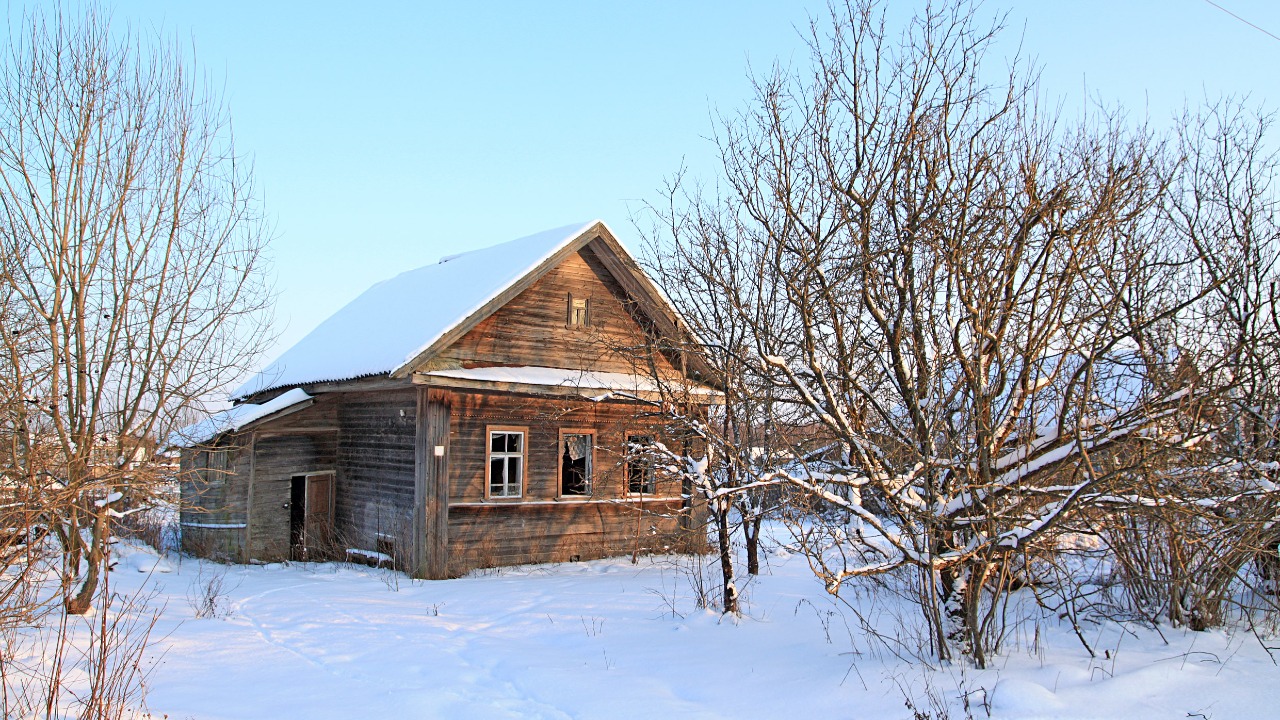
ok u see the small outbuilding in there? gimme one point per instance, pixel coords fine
(502, 406)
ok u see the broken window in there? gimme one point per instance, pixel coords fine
(506, 463)
(640, 474)
(575, 463)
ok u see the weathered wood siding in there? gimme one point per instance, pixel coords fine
(277, 459)
(431, 483)
(214, 489)
(473, 413)
(541, 527)
(532, 329)
(374, 492)
(253, 503)
(499, 534)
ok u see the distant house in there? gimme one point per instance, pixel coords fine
(495, 408)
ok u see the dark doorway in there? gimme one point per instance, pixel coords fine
(297, 517)
(311, 516)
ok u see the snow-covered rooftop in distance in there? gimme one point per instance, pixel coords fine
(563, 377)
(392, 322)
(234, 418)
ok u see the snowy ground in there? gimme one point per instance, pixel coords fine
(609, 639)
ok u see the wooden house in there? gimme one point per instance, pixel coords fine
(500, 407)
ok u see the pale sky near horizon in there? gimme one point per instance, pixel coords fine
(385, 136)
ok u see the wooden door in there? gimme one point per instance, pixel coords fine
(318, 526)
(312, 516)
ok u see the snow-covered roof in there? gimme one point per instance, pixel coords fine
(567, 378)
(394, 321)
(232, 419)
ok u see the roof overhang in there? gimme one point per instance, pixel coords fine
(565, 382)
(240, 418)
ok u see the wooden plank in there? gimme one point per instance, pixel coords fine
(296, 431)
(418, 567)
(544, 390)
(365, 384)
(318, 521)
(431, 486)
(435, 405)
(248, 513)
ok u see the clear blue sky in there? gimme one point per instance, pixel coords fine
(386, 135)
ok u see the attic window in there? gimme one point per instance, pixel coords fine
(579, 311)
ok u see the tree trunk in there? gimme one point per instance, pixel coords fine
(726, 556)
(80, 603)
(751, 531)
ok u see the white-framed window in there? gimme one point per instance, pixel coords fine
(577, 458)
(641, 478)
(505, 466)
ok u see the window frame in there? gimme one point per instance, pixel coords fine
(591, 463)
(489, 432)
(629, 457)
(217, 466)
(571, 318)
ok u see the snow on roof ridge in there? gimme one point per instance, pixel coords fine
(581, 228)
(369, 336)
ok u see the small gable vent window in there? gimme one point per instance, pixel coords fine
(579, 311)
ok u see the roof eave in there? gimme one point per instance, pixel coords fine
(651, 397)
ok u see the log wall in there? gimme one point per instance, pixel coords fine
(541, 526)
(494, 535)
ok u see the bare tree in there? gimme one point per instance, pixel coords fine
(131, 257)
(1200, 516)
(950, 282)
(724, 291)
